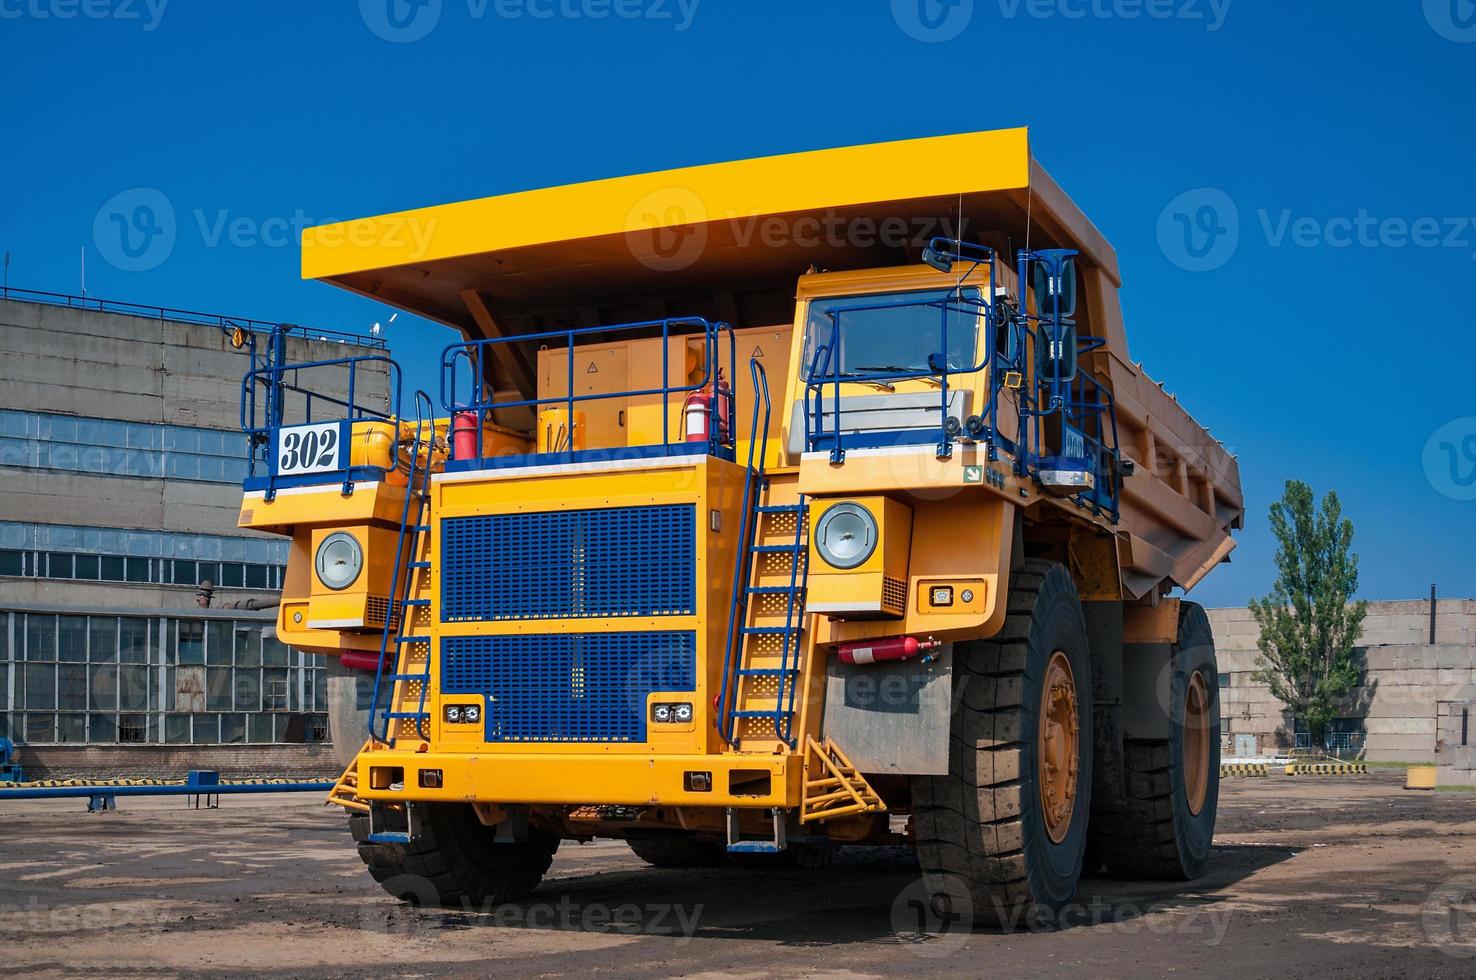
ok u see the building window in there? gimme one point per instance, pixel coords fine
(135, 680)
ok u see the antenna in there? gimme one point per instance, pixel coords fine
(84, 270)
(6, 287)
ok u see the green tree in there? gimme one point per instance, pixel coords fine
(1309, 623)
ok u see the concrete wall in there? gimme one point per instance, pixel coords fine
(1409, 682)
(314, 761)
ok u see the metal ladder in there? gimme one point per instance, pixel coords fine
(738, 672)
(416, 565)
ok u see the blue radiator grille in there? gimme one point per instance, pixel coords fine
(568, 687)
(570, 564)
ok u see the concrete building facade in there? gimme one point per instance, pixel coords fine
(121, 456)
(1416, 702)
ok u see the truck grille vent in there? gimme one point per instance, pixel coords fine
(568, 687)
(570, 564)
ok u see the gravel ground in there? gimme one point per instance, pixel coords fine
(1331, 877)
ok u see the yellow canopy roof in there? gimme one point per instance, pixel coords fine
(725, 240)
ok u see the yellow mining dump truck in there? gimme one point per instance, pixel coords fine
(769, 506)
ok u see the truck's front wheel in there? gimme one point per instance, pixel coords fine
(456, 862)
(1000, 838)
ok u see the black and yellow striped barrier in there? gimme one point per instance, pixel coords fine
(1228, 769)
(1326, 769)
(108, 783)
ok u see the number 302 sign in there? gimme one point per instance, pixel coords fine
(307, 449)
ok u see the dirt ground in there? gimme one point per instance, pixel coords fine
(1332, 877)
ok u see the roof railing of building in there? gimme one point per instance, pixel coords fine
(217, 320)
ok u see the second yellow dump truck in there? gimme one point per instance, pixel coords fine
(764, 507)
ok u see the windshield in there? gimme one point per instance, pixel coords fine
(894, 333)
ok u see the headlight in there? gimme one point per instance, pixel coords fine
(339, 560)
(683, 713)
(661, 713)
(846, 535)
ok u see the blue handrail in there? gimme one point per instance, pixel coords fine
(753, 479)
(481, 402)
(259, 419)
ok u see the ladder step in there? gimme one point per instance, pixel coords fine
(407, 677)
(767, 671)
(760, 714)
(782, 509)
(388, 837)
(775, 589)
(412, 639)
(769, 630)
(406, 714)
(416, 602)
(418, 564)
(777, 549)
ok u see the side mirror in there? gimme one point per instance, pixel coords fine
(1055, 355)
(1055, 279)
(941, 261)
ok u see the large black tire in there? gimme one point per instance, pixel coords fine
(1164, 838)
(981, 830)
(678, 852)
(456, 862)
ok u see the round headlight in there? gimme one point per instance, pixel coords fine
(339, 560)
(846, 535)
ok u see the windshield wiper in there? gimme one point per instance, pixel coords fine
(890, 367)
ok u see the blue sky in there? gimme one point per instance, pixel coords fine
(1288, 185)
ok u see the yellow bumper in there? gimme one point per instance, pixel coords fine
(582, 778)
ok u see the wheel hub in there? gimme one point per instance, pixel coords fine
(1058, 755)
(1196, 742)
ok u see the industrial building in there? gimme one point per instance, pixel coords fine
(120, 556)
(1416, 702)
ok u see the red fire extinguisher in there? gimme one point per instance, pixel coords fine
(891, 648)
(695, 413)
(698, 413)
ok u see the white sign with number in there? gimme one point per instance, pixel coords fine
(307, 449)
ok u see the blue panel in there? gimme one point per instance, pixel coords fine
(570, 564)
(568, 687)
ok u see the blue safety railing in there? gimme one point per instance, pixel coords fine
(1058, 422)
(265, 392)
(825, 371)
(468, 363)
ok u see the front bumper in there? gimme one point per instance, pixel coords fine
(584, 778)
